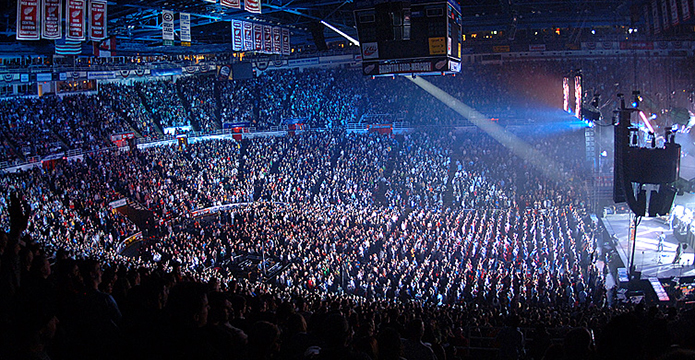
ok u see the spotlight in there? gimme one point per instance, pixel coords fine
(636, 98)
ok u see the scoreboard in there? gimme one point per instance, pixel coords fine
(409, 37)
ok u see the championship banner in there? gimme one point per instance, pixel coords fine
(286, 42)
(277, 40)
(51, 22)
(664, 15)
(97, 20)
(252, 6)
(685, 7)
(76, 21)
(647, 24)
(168, 27)
(248, 36)
(185, 22)
(235, 4)
(237, 36)
(28, 20)
(258, 37)
(267, 39)
(655, 17)
(674, 13)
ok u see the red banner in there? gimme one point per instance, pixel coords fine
(28, 18)
(277, 40)
(267, 39)
(97, 20)
(286, 42)
(252, 6)
(76, 12)
(258, 37)
(51, 26)
(236, 4)
(248, 36)
(237, 36)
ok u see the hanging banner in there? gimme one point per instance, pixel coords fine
(252, 6)
(76, 20)
(235, 4)
(655, 17)
(674, 13)
(185, 22)
(168, 27)
(685, 7)
(664, 15)
(647, 24)
(51, 23)
(258, 37)
(277, 40)
(267, 39)
(286, 42)
(237, 35)
(97, 20)
(28, 19)
(248, 36)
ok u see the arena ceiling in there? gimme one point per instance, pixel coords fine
(136, 23)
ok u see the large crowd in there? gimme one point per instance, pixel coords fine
(361, 245)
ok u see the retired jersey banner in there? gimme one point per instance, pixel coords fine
(76, 20)
(236, 4)
(277, 40)
(168, 27)
(185, 23)
(685, 9)
(248, 36)
(267, 39)
(674, 13)
(258, 37)
(252, 6)
(28, 20)
(655, 17)
(237, 35)
(97, 20)
(286, 42)
(51, 24)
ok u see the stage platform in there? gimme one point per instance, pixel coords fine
(648, 260)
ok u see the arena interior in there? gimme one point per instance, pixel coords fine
(368, 179)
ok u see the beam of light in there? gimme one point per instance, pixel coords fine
(646, 121)
(544, 164)
(350, 38)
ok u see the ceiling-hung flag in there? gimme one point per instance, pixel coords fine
(286, 42)
(252, 6)
(235, 4)
(248, 36)
(237, 36)
(185, 23)
(258, 37)
(267, 39)
(97, 20)
(277, 40)
(52, 19)
(76, 20)
(28, 20)
(168, 27)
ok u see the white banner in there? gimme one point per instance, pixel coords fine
(286, 42)
(277, 40)
(235, 4)
(674, 13)
(237, 36)
(185, 21)
(168, 27)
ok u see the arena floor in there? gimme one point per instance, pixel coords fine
(647, 259)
